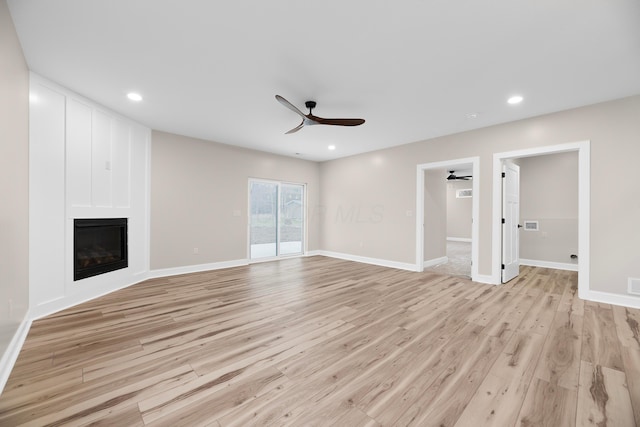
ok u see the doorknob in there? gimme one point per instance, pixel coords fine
(519, 226)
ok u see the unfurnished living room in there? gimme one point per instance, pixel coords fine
(358, 213)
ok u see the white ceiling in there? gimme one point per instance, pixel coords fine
(414, 69)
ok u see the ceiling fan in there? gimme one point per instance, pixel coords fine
(310, 119)
(453, 177)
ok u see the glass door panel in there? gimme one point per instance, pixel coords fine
(276, 221)
(263, 201)
(291, 218)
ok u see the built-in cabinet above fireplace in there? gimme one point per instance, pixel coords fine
(88, 170)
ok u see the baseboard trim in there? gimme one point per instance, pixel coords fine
(68, 301)
(367, 260)
(10, 356)
(174, 271)
(487, 280)
(549, 264)
(459, 239)
(435, 261)
(615, 299)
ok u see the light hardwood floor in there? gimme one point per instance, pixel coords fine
(320, 341)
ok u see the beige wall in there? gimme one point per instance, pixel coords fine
(435, 215)
(197, 185)
(459, 211)
(549, 195)
(14, 181)
(387, 179)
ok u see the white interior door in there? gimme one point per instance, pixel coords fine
(510, 220)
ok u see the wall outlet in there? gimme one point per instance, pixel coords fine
(196, 250)
(361, 244)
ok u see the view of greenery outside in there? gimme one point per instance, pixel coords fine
(264, 198)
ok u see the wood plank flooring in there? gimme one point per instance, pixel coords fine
(322, 342)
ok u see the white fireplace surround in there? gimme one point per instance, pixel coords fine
(84, 162)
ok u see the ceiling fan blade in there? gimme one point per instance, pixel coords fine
(289, 105)
(336, 122)
(295, 129)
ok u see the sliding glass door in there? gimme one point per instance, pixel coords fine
(276, 220)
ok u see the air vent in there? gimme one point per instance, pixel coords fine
(634, 286)
(463, 194)
(531, 225)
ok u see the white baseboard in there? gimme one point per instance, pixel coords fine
(50, 307)
(367, 260)
(459, 239)
(436, 261)
(487, 280)
(313, 253)
(549, 264)
(10, 356)
(174, 271)
(615, 299)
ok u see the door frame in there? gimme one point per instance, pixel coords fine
(584, 191)
(475, 208)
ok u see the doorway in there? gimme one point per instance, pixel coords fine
(583, 149)
(276, 219)
(425, 175)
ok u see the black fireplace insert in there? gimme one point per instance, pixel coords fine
(99, 246)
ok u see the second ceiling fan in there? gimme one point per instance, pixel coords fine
(310, 119)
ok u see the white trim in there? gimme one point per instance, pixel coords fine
(435, 261)
(10, 355)
(459, 239)
(174, 271)
(475, 209)
(483, 278)
(50, 307)
(549, 264)
(312, 253)
(367, 260)
(615, 299)
(584, 173)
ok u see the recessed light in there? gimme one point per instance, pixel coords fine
(134, 96)
(473, 115)
(516, 99)
(331, 147)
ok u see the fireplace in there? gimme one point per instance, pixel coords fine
(99, 246)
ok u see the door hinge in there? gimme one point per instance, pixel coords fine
(504, 174)
(504, 221)
(503, 266)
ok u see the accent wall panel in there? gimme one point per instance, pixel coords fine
(120, 162)
(85, 162)
(101, 160)
(78, 153)
(46, 195)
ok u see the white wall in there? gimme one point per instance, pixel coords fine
(85, 162)
(387, 179)
(199, 199)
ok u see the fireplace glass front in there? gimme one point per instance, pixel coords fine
(100, 246)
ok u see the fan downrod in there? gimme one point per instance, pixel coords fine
(310, 105)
